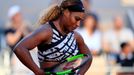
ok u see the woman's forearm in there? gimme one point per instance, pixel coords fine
(84, 69)
(25, 57)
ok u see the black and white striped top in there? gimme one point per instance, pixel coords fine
(60, 48)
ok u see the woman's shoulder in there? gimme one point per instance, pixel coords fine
(45, 28)
(77, 35)
(44, 31)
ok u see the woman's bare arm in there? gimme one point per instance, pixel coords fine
(84, 50)
(31, 41)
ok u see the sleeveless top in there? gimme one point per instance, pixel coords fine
(60, 48)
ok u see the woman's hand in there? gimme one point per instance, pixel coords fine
(40, 72)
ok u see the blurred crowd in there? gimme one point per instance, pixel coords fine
(116, 44)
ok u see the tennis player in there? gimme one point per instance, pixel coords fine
(55, 38)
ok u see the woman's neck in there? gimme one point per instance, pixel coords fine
(59, 25)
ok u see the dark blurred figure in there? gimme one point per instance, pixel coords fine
(125, 59)
(91, 33)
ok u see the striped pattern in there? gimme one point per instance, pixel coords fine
(66, 47)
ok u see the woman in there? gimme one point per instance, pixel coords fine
(55, 39)
(16, 28)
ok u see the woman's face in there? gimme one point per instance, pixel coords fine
(71, 20)
(118, 22)
(90, 23)
(17, 18)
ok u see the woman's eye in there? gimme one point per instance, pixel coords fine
(77, 18)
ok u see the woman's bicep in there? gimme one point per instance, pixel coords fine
(81, 45)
